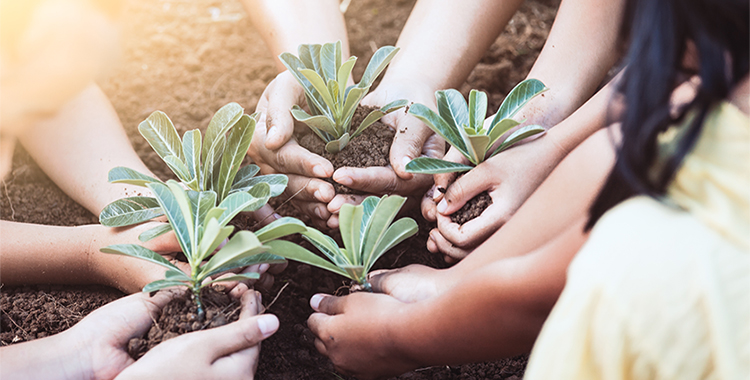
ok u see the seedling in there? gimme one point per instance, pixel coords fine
(463, 126)
(200, 227)
(323, 75)
(212, 164)
(367, 233)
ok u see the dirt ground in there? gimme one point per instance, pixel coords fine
(189, 58)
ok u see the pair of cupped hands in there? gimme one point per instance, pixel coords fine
(509, 177)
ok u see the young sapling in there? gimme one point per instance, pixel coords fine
(367, 233)
(462, 125)
(323, 74)
(211, 163)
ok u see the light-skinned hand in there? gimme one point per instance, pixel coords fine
(227, 352)
(509, 177)
(275, 150)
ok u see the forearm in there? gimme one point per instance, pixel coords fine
(495, 312)
(77, 148)
(48, 358)
(284, 25)
(41, 254)
(582, 47)
(443, 40)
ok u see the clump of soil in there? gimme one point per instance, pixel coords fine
(180, 316)
(371, 148)
(472, 209)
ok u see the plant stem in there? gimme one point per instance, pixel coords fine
(197, 298)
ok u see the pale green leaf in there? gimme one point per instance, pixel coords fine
(223, 119)
(327, 245)
(319, 122)
(155, 232)
(247, 260)
(121, 174)
(320, 86)
(429, 165)
(162, 284)
(500, 129)
(243, 243)
(236, 277)
(279, 228)
(480, 144)
(375, 115)
(213, 236)
(294, 64)
(328, 58)
(353, 97)
(129, 211)
(350, 225)
(236, 149)
(191, 148)
(181, 222)
(251, 200)
(399, 231)
(246, 173)
(135, 250)
(477, 109)
(517, 98)
(178, 168)
(378, 224)
(377, 64)
(161, 134)
(338, 145)
(355, 272)
(344, 71)
(439, 125)
(294, 252)
(277, 183)
(200, 203)
(517, 136)
(212, 164)
(453, 108)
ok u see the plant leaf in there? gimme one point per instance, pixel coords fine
(173, 209)
(429, 165)
(245, 173)
(243, 243)
(191, 148)
(517, 98)
(500, 128)
(453, 108)
(294, 64)
(336, 146)
(517, 136)
(355, 272)
(320, 122)
(236, 149)
(176, 275)
(154, 232)
(129, 211)
(320, 86)
(212, 164)
(162, 284)
(439, 125)
(279, 228)
(294, 252)
(236, 277)
(251, 200)
(378, 224)
(245, 260)
(375, 115)
(328, 58)
(327, 245)
(277, 182)
(135, 250)
(161, 134)
(343, 75)
(200, 203)
(213, 236)
(350, 225)
(121, 174)
(477, 109)
(223, 119)
(377, 64)
(396, 233)
(480, 144)
(178, 168)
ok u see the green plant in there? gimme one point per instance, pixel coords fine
(208, 164)
(200, 227)
(463, 126)
(367, 233)
(323, 75)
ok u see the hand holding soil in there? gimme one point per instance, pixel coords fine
(275, 150)
(508, 179)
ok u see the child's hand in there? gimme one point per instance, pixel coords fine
(226, 352)
(130, 274)
(409, 284)
(510, 178)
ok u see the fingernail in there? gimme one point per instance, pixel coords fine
(318, 213)
(270, 134)
(344, 180)
(275, 216)
(442, 206)
(319, 171)
(318, 196)
(268, 324)
(263, 268)
(315, 301)
(405, 161)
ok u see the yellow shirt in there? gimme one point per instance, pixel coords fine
(663, 292)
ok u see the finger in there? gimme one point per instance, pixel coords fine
(251, 304)
(333, 222)
(278, 268)
(317, 323)
(309, 189)
(411, 135)
(428, 206)
(330, 305)
(443, 181)
(446, 247)
(379, 280)
(291, 158)
(236, 336)
(265, 282)
(316, 210)
(238, 291)
(463, 190)
(282, 95)
(341, 199)
(380, 180)
(264, 215)
(320, 346)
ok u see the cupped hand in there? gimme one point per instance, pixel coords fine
(227, 352)
(353, 331)
(509, 177)
(275, 150)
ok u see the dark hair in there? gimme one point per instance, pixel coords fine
(659, 32)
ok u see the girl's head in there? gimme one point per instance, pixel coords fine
(669, 41)
(49, 51)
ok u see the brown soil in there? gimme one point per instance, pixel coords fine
(179, 59)
(371, 148)
(472, 209)
(180, 316)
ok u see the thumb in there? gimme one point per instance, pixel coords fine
(411, 135)
(461, 191)
(379, 280)
(236, 336)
